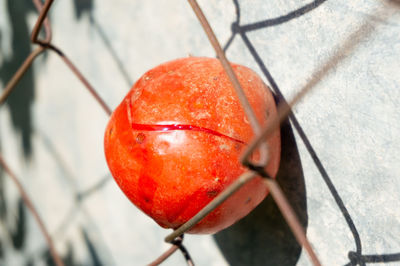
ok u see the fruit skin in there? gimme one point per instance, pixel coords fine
(170, 172)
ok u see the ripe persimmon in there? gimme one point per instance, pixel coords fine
(174, 142)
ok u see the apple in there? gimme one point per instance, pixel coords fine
(174, 142)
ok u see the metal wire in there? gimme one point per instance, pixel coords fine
(176, 244)
(233, 79)
(258, 142)
(28, 202)
(291, 219)
(84, 81)
(351, 43)
(42, 20)
(235, 186)
(282, 202)
(20, 73)
(45, 44)
(164, 256)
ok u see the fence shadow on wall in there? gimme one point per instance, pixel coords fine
(263, 237)
(355, 257)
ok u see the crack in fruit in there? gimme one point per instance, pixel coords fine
(171, 127)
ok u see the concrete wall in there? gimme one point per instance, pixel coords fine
(340, 150)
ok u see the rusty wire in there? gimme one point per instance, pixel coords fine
(260, 133)
(164, 256)
(235, 186)
(273, 187)
(46, 44)
(351, 43)
(29, 204)
(233, 79)
(176, 244)
(19, 74)
(11, 85)
(42, 20)
(284, 109)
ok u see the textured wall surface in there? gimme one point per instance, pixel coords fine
(341, 151)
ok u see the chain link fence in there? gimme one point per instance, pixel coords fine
(41, 38)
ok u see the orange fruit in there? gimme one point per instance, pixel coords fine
(173, 144)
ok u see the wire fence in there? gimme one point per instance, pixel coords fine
(254, 168)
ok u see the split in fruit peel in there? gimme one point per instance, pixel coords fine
(174, 142)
